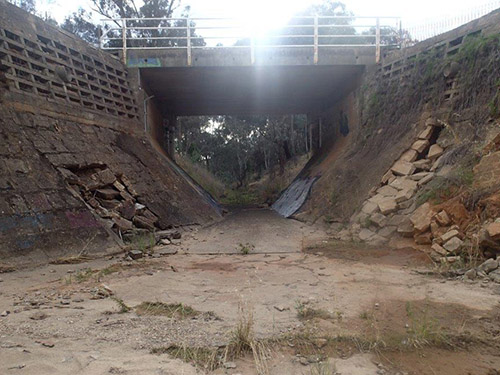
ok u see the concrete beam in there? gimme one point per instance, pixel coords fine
(249, 90)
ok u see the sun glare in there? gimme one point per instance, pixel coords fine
(260, 16)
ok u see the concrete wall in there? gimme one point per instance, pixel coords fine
(63, 141)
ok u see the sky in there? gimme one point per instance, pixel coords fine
(266, 13)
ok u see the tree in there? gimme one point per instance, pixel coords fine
(80, 23)
(27, 5)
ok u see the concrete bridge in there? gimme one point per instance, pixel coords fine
(300, 68)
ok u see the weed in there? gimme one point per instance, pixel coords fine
(494, 106)
(84, 275)
(366, 223)
(71, 260)
(423, 330)
(109, 270)
(242, 337)
(307, 313)
(143, 242)
(365, 315)
(171, 310)
(240, 198)
(122, 306)
(323, 368)
(246, 248)
(206, 358)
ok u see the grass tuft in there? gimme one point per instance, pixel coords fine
(123, 308)
(171, 310)
(307, 313)
(205, 358)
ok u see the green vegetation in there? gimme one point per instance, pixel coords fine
(143, 241)
(171, 310)
(323, 368)
(206, 358)
(442, 188)
(423, 330)
(305, 312)
(246, 248)
(123, 308)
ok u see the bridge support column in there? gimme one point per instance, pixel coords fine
(315, 125)
(170, 125)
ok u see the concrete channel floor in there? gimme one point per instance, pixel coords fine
(61, 322)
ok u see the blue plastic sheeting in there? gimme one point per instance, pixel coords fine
(294, 196)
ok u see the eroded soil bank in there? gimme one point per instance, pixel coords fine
(320, 308)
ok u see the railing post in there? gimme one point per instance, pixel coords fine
(316, 39)
(124, 40)
(377, 42)
(252, 50)
(188, 34)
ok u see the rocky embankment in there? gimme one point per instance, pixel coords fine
(449, 210)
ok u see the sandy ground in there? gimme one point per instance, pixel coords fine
(60, 323)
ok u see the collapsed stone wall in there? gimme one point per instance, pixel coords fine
(68, 187)
(77, 173)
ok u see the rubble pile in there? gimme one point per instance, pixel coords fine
(393, 209)
(113, 198)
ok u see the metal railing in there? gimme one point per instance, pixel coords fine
(315, 32)
(428, 28)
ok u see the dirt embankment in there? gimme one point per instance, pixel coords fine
(389, 110)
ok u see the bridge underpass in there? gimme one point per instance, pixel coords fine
(191, 67)
(248, 90)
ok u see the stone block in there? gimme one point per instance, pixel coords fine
(426, 134)
(420, 145)
(406, 229)
(421, 218)
(431, 121)
(439, 249)
(435, 151)
(423, 238)
(387, 177)
(404, 183)
(493, 230)
(402, 168)
(127, 209)
(379, 220)
(377, 198)
(449, 235)
(420, 175)
(442, 218)
(143, 222)
(387, 231)
(107, 193)
(388, 206)
(409, 156)
(135, 254)
(426, 179)
(387, 191)
(422, 164)
(396, 220)
(369, 208)
(453, 245)
(365, 234)
(488, 266)
(121, 223)
(404, 195)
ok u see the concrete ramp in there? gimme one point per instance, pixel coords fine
(294, 196)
